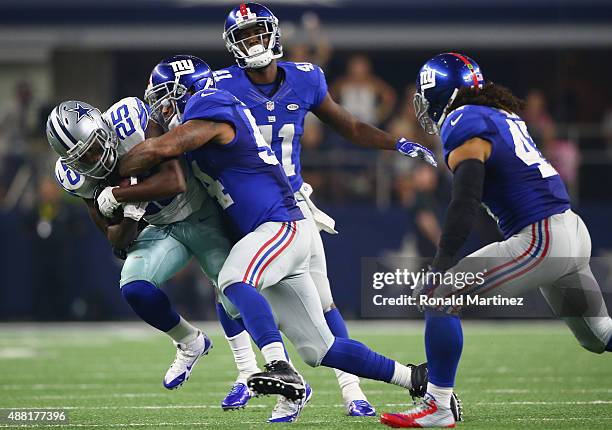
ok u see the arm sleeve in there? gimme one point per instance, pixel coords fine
(465, 202)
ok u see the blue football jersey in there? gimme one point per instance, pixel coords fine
(521, 187)
(244, 176)
(280, 117)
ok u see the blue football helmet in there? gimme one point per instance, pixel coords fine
(173, 81)
(437, 85)
(259, 55)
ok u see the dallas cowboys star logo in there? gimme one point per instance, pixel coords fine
(81, 111)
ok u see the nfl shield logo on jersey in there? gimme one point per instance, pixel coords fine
(270, 105)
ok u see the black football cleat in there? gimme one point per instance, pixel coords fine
(418, 380)
(278, 378)
(456, 407)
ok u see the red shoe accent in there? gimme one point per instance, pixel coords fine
(403, 421)
(398, 421)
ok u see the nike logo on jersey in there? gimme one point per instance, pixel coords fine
(206, 94)
(456, 120)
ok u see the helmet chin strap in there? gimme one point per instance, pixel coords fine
(258, 57)
(175, 121)
(445, 111)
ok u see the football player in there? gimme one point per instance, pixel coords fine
(495, 162)
(279, 95)
(267, 269)
(89, 145)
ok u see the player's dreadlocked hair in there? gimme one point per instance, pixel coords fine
(491, 95)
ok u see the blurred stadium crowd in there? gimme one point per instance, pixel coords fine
(568, 111)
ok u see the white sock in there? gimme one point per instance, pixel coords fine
(244, 356)
(274, 351)
(183, 332)
(441, 394)
(349, 384)
(402, 375)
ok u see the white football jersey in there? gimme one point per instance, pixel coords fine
(129, 118)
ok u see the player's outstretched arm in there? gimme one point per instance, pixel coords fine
(360, 133)
(467, 163)
(187, 137)
(351, 128)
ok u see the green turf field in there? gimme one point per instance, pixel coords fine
(109, 376)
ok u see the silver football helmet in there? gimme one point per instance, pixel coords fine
(84, 142)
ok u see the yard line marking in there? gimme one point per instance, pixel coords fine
(172, 424)
(311, 406)
(569, 402)
(14, 353)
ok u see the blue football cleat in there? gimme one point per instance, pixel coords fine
(187, 356)
(288, 411)
(360, 408)
(237, 398)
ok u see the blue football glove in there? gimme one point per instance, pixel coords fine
(411, 149)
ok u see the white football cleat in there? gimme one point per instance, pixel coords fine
(288, 411)
(426, 414)
(187, 356)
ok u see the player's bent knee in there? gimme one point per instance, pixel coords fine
(135, 269)
(132, 291)
(593, 345)
(313, 352)
(591, 333)
(310, 355)
(228, 276)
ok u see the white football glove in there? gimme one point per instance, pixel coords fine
(134, 211)
(107, 202)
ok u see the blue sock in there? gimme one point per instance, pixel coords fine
(336, 323)
(356, 358)
(230, 326)
(609, 346)
(255, 312)
(151, 304)
(443, 345)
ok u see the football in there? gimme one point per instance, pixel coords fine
(118, 214)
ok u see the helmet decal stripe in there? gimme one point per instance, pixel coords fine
(243, 10)
(57, 135)
(61, 131)
(65, 130)
(469, 66)
(242, 16)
